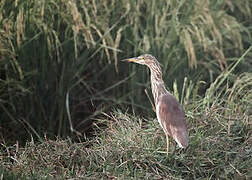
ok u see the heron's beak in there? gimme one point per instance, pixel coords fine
(131, 60)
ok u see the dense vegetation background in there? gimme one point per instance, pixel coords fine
(61, 76)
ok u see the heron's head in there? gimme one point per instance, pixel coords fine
(145, 59)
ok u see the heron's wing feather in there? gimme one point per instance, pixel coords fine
(172, 118)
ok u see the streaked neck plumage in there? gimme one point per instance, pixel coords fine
(157, 83)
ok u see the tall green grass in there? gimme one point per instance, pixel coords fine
(48, 52)
(59, 60)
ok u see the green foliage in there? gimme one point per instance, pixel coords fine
(59, 74)
(59, 65)
(46, 54)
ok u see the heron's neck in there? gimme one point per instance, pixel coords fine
(157, 84)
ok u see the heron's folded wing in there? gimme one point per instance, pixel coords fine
(172, 117)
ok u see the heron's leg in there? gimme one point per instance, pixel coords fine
(167, 144)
